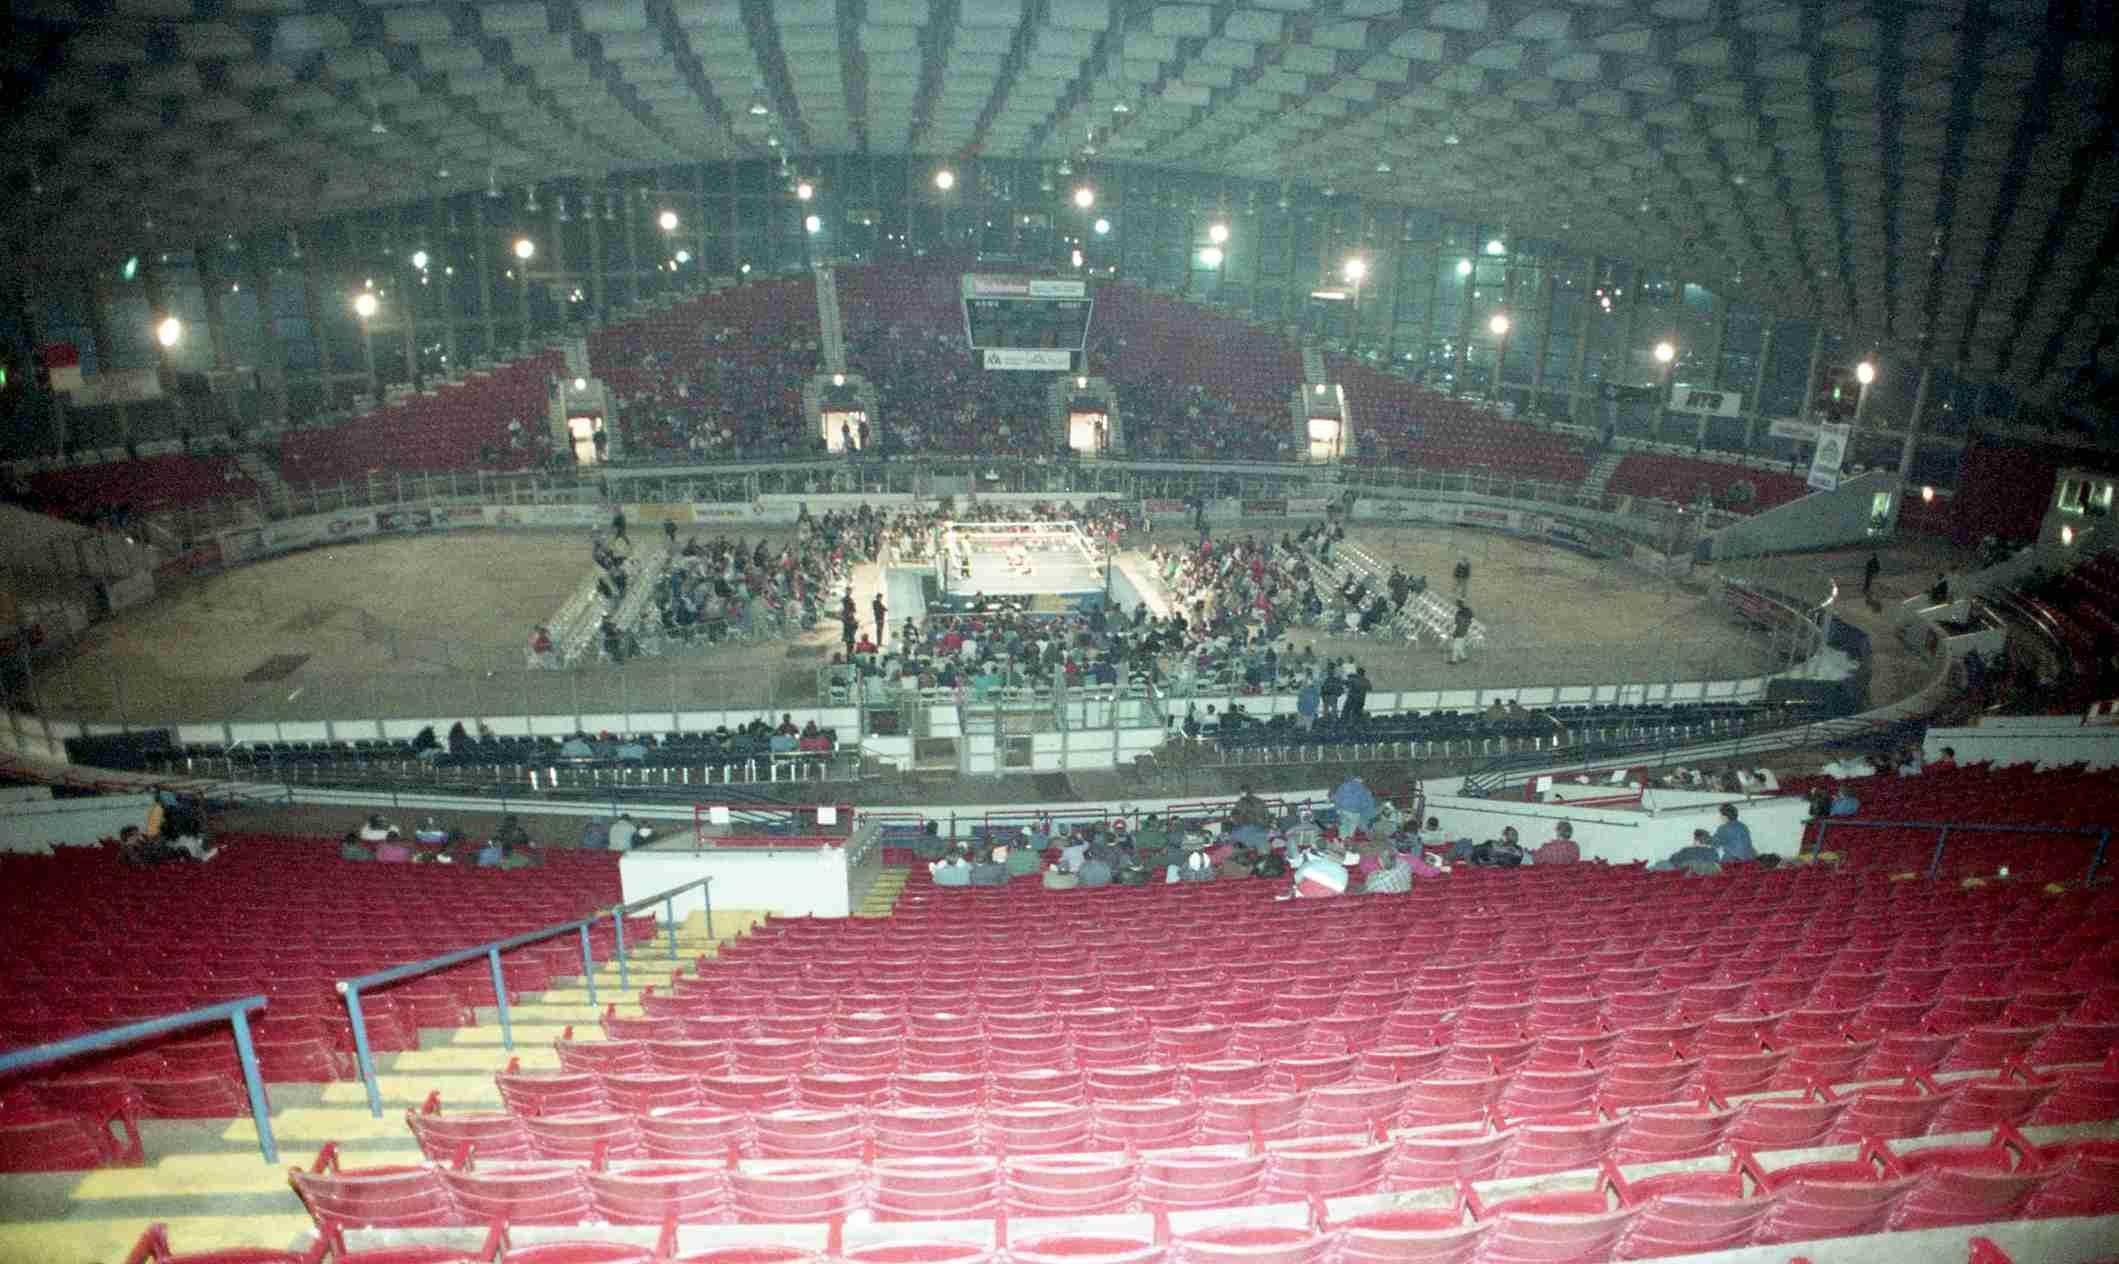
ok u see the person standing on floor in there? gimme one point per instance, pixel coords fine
(1460, 633)
(882, 614)
(1463, 576)
(1870, 572)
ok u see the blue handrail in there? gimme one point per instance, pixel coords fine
(351, 989)
(2102, 834)
(234, 1012)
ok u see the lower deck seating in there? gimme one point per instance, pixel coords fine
(2068, 799)
(1679, 479)
(147, 485)
(493, 420)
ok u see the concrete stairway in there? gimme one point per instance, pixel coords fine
(833, 332)
(882, 897)
(204, 1177)
(1313, 367)
(261, 471)
(1600, 474)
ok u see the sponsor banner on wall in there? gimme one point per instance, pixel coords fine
(1472, 516)
(1029, 359)
(1027, 498)
(659, 514)
(1225, 510)
(548, 515)
(242, 545)
(131, 590)
(1830, 455)
(397, 521)
(734, 511)
(1269, 508)
(1793, 428)
(1308, 506)
(1163, 506)
(300, 533)
(1704, 401)
(447, 517)
(820, 502)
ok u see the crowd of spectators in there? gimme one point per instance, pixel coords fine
(433, 843)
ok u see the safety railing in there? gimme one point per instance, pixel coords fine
(1943, 830)
(235, 1013)
(352, 989)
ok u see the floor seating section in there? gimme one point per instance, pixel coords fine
(1678, 479)
(93, 943)
(1478, 732)
(1977, 794)
(144, 486)
(1425, 429)
(454, 426)
(2080, 607)
(1494, 1025)
(734, 360)
(498, 759)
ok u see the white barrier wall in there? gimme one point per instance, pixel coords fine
(2047, 741)
(795, 881)
(36, 827)
(1622, 837)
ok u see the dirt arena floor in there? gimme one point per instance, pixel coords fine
(434, 627)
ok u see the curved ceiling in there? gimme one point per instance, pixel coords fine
(1938, 177)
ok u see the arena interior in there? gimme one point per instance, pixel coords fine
(627, 624)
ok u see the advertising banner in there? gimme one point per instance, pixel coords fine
(397, 521)
(1702, 401)
(1162, 507)
(301, 533)
(1029, 359)
(986, 285)
(659, 514)
(448, 517)
(734, 511)
(1793, 428)
(792, 505)
(1831, 453)
(1475, 517)
(130, 590)
(1265, 509)
(548, 515)
(1308, 506)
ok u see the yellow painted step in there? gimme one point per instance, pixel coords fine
(464, 1061)
(90, 1240)
(301, 1131)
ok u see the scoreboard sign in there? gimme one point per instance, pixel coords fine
(1688, 399)
(1049, 317)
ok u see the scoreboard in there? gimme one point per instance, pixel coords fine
(1025, 323)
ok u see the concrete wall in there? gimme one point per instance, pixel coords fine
(2046, 741)
(37, 827)
(1821, 520)
(1621, 836)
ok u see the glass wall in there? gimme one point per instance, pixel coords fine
(1461, 305)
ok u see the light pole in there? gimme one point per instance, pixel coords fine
(1500, 325)
(1356, 268)
(364, 306)
(1865, 374)
(1666, 354)
(525, 250)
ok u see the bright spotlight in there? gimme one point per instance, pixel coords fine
(1665, 353)
(1495, 247)
(1076, 258)
(364, 305)
(1865, 372)
(838, 379)
(525, 248)
(668, 220)
(1356, 269)
(805, 191)
(581, 384)
(419, 260)
(1211, 256)
(1927, 495)
(1103, 227)
(684, 256)
(1464, 267)
(170, 332)
(1499, 323)
(945, 179)
(812, 225)
(1085, 197)
(1218, 233)
(1081, 383)
(2067, 536)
